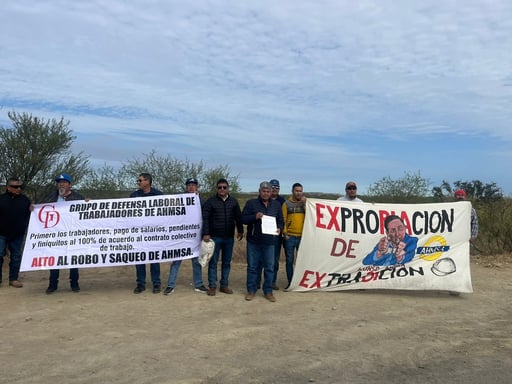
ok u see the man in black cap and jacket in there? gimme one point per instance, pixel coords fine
(14, 217)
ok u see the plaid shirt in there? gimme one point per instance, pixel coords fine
(474, 224)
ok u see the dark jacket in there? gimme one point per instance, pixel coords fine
(54, 197)
(140, 193)
(14, 215)
(252, 207)
(220, 217)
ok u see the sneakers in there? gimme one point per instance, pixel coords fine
(270, 297)
(201, 289)
(157, 288)
(75, 287)
(249, 296)
(226, 290)
(139, 288)
(168, 291)
(211, 291)
(15, 283)
(51, 289)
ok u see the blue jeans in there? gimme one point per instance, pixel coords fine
(290, 245)
(260, 254)
(197, 274)
(14, 246)
(141, 273)
(277, 255)
(224, 244)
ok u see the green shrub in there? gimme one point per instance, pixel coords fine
(495, 221)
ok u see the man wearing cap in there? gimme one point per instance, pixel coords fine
(144, 182)
(279, 239)
(260, 245)
(460, 195)
(191, 186)
(350, 193)
(221, 216)
(63, 193)
(14, 217)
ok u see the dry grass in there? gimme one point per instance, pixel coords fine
(239, 251)
(493, 261)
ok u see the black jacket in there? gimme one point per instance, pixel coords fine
(14, 215)
(54, 197)
(220, 217)
(140, 193)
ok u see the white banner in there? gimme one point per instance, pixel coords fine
(346, 245)
(105, 233)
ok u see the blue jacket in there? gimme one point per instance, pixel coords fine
(390, 258)
(252, 207)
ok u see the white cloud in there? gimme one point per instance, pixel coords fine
(313, 91)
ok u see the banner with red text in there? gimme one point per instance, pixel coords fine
(105, 233)
(348, 245)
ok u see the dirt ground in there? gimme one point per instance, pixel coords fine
(106, 334)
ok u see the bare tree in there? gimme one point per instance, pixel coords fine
(36, 150)
(404, 189)
(169, 174)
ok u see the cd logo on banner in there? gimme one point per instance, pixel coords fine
(49, 216)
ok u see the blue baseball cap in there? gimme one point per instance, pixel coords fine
(274, 183)
(63, 177)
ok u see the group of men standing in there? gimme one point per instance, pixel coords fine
(221, 218)
(221, 215)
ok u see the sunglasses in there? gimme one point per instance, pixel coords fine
(222, 187)
(140, 180)
(15, 186)
(274, 187)
(351, 188)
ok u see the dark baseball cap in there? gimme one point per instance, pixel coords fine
(274, 183)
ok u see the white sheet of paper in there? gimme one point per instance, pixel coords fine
(269, 225)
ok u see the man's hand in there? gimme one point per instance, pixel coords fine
(400, 252)
(382, 246)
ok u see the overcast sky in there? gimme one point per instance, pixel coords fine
(317, 92)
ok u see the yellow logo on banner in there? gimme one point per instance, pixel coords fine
(433, 248)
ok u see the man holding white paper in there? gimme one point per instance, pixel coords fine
(264, 219)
